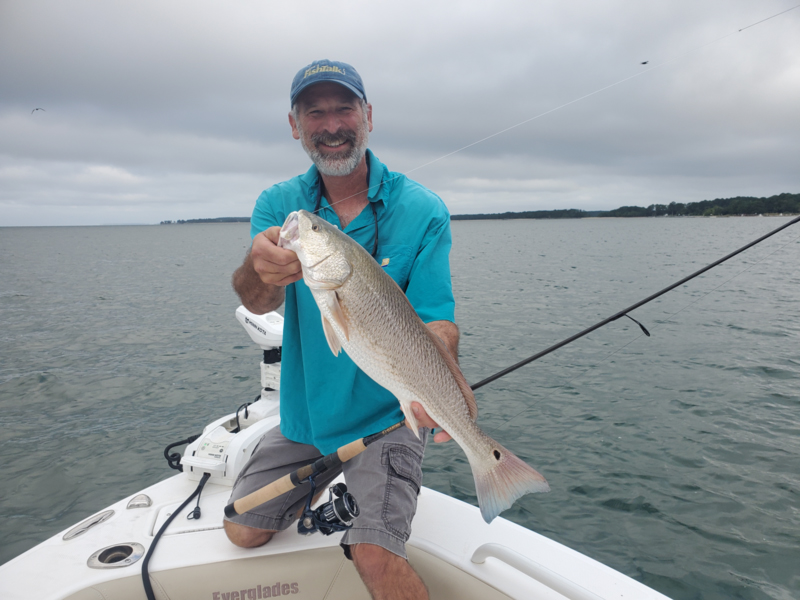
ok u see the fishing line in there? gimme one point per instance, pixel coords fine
(768, 18)
(557, 108)
(623, 313)
(653, 328)
(599, 90)
(552, 110)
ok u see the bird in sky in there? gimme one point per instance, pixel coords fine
(644, 62)
(35, 109)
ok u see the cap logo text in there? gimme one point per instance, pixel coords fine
(323, 69)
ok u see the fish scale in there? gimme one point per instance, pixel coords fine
(364, 312)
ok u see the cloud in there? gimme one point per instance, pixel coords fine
(174, 110)
(104, 175)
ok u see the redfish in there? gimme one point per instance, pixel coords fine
(366, 314)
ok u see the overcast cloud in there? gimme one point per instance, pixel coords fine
(159, 110)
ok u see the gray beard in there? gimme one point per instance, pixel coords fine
(342, 164)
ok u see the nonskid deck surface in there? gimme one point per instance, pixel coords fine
(455, 552)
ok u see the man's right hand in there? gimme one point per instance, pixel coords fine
(273, 264)
(267, 268)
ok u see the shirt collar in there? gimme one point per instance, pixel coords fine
(377, 184)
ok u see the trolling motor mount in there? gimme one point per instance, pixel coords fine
(336, 514)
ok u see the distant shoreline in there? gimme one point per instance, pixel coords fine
(785, 205)
(216, 220)
(779, 205)
(502, 217)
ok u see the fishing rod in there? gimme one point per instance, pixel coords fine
(308, 473)
(624, 312)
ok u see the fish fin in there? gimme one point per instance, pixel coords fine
(466, 391)
(504, 481)
(331, 337)
(337, 314)
(411, 419)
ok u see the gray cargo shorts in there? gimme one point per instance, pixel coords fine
(385, 480)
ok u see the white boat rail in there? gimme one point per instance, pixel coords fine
(533, 569)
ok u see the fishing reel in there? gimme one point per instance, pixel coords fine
(336, 514)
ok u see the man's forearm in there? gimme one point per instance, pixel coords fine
(256, 296)
(449, 334)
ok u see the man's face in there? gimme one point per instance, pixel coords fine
(333, 127)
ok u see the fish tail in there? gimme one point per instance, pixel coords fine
(502, 481)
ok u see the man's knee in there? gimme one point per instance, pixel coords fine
(246, 537)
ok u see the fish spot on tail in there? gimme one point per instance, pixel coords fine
(502, 483)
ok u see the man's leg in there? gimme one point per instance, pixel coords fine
(385, 480)
(274, 457)
(386, 575)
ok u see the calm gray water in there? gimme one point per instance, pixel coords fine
(674, 459)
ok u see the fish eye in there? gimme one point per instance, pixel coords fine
(315, 227)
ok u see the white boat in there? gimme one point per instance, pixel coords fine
(455, 552)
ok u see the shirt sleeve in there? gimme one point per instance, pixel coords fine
(430, 290)
(264, 215)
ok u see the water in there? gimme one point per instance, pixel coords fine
(674, 459)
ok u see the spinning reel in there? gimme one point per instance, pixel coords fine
(336, 514)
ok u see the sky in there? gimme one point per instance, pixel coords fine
(166, 110)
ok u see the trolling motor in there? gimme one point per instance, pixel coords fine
(335, 515)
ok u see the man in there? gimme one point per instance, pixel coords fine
(326, 401)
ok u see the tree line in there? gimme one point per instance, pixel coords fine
(741, 205)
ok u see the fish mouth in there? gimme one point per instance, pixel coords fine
(290, 232)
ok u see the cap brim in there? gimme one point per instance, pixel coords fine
(308, 84)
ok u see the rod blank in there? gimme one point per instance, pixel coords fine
(622, 313)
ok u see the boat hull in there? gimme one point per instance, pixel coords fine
(455, 552)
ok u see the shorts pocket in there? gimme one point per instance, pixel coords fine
(404, 479)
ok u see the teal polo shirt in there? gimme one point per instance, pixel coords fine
(327, 401)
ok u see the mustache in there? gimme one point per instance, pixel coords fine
(340, 137)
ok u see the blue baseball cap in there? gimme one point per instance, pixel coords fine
(327, 70)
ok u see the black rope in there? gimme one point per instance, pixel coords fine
(318, 204)
(623, 313)
(243, 406)
(148, 588)
(174, 459)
